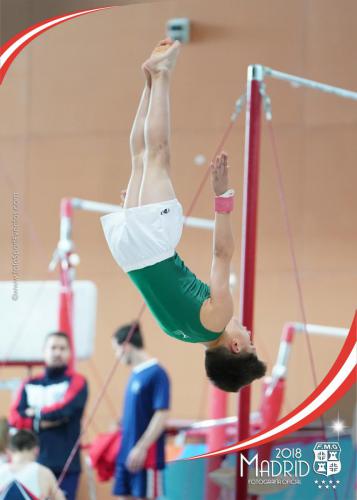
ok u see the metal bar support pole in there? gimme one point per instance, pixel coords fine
(249, 236)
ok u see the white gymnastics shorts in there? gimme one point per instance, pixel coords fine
(142, 236)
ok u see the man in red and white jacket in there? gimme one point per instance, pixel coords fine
(52, 405)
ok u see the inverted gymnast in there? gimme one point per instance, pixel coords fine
(143, 235)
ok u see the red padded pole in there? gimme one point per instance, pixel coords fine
(65, 319)
(216, 438)
(249, 233)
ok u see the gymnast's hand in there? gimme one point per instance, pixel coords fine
(219, 171)
(136, 458)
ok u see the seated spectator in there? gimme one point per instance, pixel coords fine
(23, 477)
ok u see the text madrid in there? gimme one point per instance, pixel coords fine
(274, 468)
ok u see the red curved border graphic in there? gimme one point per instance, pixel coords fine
(342, 375)
(14, 46)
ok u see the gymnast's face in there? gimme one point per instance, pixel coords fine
(240, 339)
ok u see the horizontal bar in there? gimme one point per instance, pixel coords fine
(329, 331)
(23, 363)
(199, 223)
(207, 424)
(97, 206)
(303, 82)
(94, 206)
(204, 424)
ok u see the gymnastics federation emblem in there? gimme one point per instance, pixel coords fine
(327, 458)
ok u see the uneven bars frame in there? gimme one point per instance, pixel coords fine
(255, 79)
(327, 331)
(290, 329)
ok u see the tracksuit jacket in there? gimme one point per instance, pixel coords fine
(56, 395)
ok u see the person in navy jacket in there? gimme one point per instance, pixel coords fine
(52, 405)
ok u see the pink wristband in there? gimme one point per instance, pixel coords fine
(224, 203)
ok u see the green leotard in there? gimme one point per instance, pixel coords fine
(174, 295)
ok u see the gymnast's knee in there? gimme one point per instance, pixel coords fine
(158, 155)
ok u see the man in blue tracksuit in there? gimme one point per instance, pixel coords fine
(52, 405)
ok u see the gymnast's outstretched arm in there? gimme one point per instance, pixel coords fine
(219, 309)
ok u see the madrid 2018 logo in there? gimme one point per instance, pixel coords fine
(287, 465)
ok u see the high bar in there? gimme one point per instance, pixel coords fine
(329, 331)
(303, 82)
(97, 206)
(206, 424)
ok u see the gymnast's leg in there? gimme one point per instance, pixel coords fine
(156, 184)
(137, 147)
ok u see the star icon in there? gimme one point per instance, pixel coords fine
(327, 486)
(338, 426)
(323, 481)
(337, 482)
(320, 486)
(330, 482)
(316, 481)
(334, 486)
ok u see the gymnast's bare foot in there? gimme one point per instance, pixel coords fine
(163, 57)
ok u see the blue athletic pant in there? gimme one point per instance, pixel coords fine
(69, 484)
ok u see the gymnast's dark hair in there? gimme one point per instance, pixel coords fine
(229, 371)
(23, 440)
(136, 338)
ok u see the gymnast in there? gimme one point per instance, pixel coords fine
(143, 234)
